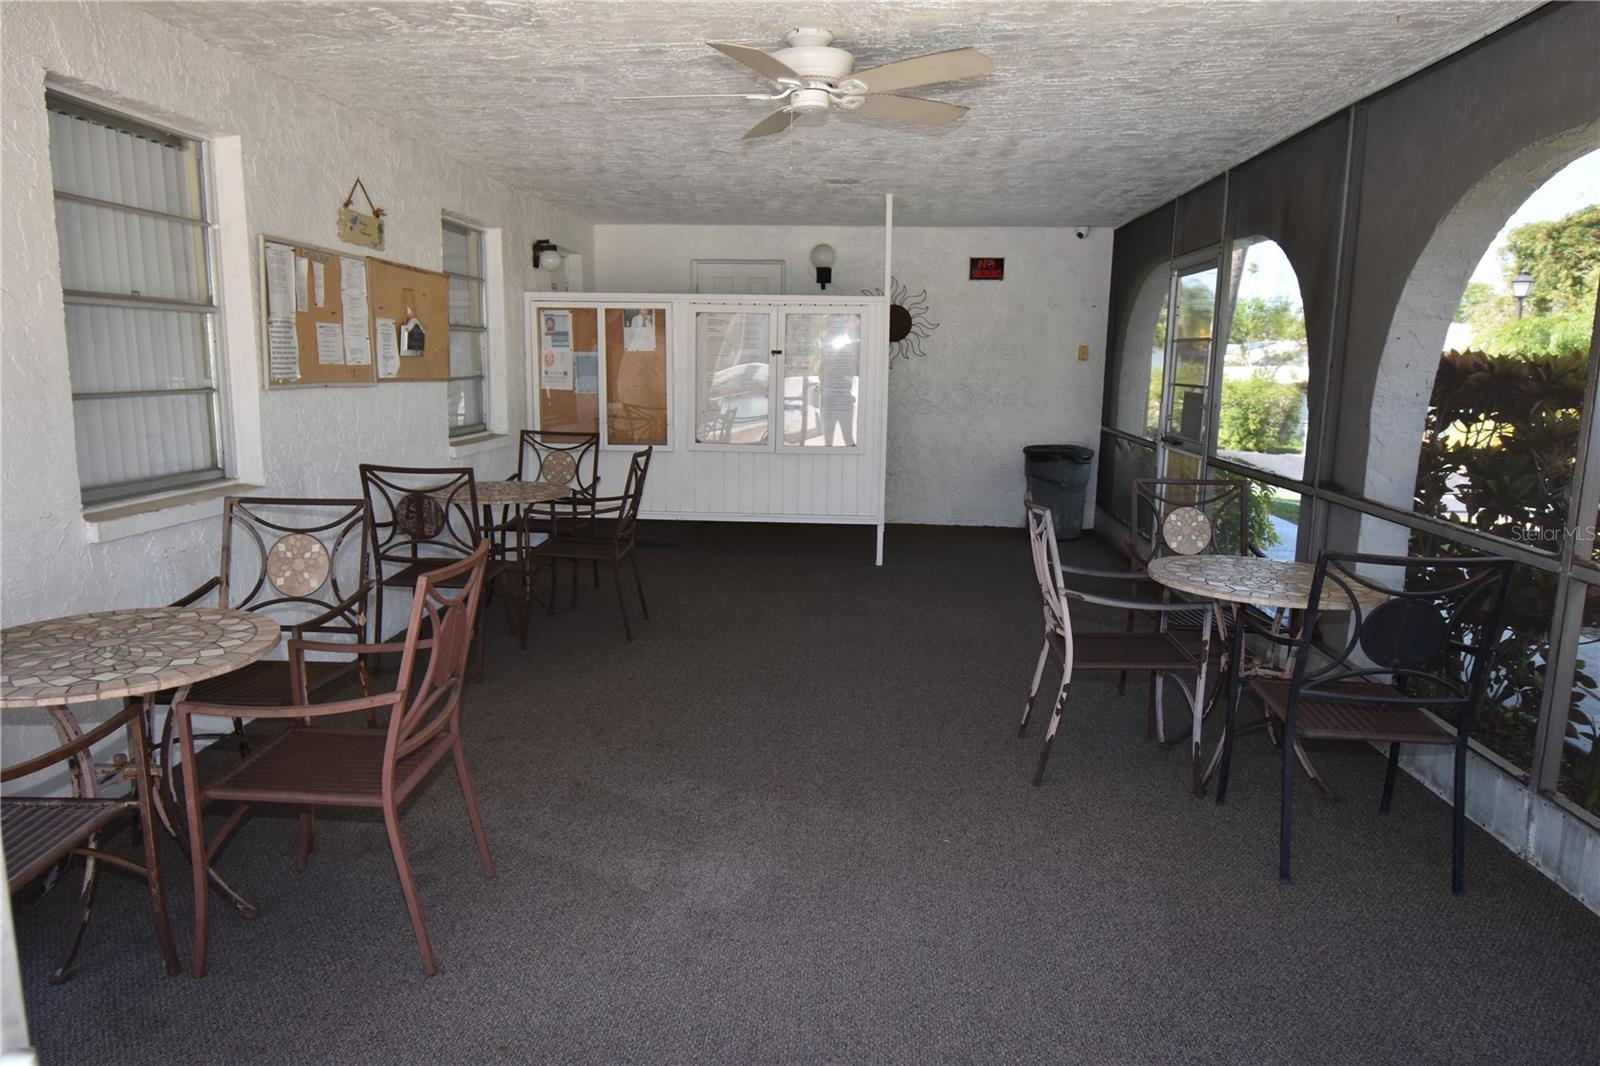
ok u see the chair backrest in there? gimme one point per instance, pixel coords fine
(1428, 627)
(296, 558)
(1189, 516)
(632, 494)
(560, 458)
(421, 512)
(1047, 571)
(441, 625)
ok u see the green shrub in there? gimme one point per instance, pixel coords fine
(1258, 414)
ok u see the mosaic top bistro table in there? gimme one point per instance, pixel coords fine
(128, 655)
(1240, 581)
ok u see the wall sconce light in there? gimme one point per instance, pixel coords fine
(822, 259)
(546, 256)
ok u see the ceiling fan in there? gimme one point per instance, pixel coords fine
(811, 76)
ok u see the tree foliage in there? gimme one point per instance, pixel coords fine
(1257, 319)
(1498, 454)
(1562, 255)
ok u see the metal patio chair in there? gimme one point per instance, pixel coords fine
(307, 765)
(1411, 670)
(1159, 653)
(600, 529)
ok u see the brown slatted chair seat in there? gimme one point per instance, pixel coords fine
(265, 683)
(342, 767)
(1322, 719)
(39, 831)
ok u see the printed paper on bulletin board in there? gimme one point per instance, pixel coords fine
(314, 316)
(398, 294)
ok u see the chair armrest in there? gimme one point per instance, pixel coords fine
(318, 622)
(1115, 575)
(189, 708)
(188, 599)
(298, 646)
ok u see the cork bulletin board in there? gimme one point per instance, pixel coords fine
(310, 298)
(568, 399)
(398, 293)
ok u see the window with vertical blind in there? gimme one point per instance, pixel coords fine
(137, 279)
(469, 330)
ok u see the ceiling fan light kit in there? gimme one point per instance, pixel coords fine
(811, 77)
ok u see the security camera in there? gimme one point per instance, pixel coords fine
(1081, 231)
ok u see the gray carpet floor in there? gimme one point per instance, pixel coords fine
(792, 822)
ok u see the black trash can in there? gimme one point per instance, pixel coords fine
(1058, 476)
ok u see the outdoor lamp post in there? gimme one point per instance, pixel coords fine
(1521, 286)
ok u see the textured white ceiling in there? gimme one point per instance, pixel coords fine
(1096, 111)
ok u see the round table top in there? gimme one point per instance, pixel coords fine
(1247, 579)
(112, 654)
(506, 493)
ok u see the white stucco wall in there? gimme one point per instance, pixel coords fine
(1001, 369)
(290, 155)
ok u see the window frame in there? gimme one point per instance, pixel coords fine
(209, 311)
(471, 232)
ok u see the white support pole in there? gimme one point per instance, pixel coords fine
(883, 429)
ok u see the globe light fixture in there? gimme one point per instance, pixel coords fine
(822, 259)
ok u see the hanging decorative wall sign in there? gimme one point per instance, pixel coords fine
(357, 228)
(909, 324)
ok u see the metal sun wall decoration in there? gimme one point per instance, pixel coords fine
(909, 324)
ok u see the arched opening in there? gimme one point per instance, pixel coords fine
(1475, 421)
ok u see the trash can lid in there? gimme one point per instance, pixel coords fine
(1073, 452)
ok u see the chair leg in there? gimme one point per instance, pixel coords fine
(1033, 692)
(1236, 649)
(644, 608)
(199, 872)
(85, 907)
(1389, 774)
(307, 837)
(1458, 850)
(244, 741)
(1286, 811)
(595, 565)
(622, 605)
(1050, 734)
(470, 797)
(408, 888)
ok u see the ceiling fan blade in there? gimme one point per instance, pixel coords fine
(910, 109)
(930, 69)
(707, 96)
(776, 122)
(763, 64)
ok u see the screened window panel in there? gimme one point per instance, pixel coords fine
(466, 403)
(145, 407)
(140, 440)
(466, 353)
(119, 253)
(146, 170)
(118, 349)
(463, 251)
(466, 301)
